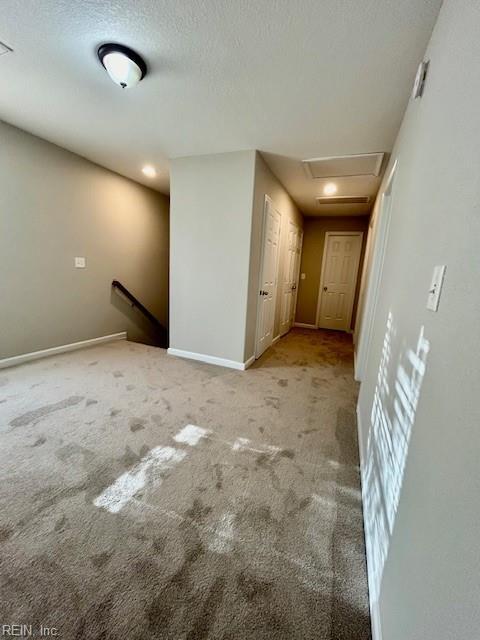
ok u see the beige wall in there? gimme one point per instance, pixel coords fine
(216, 230)
(54, 206)
(312, 255)
(266, 184)
(211, 212)
(418, 407)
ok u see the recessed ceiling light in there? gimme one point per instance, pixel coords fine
(330, 189)
(124, 66)
(149, 171)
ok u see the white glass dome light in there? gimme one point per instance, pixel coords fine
(122, 70)
(124, 66)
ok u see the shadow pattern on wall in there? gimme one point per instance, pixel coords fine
(392, 418)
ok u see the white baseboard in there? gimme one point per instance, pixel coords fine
(374, 611)
(276, 339)
(202, 357)
(64, 348)
(356, 373)
(304, 325)
(249, 362)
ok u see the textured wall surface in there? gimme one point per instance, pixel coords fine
(418, 401)
(211, 212)
(54, 206)
(312, 256)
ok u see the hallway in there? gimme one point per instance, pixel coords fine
(150, 496)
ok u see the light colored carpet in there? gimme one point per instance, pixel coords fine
(248, 525)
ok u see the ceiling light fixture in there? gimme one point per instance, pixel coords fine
(330, 189)
(149, 171)
(124, 65)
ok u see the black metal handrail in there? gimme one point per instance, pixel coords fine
(136, 303)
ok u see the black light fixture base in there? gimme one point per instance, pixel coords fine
(112, 47)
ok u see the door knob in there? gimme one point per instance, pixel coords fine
(265, 293)
(324, 288)
(294, 287)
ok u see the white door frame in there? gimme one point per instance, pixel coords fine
(379, 245)
(260, 273)
(296, 276)
(322, 273)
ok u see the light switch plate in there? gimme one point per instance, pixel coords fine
(420, 78)
(436, 287)
(303, 276)
(80, 263)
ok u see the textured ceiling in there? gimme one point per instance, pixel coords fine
(291, 173)
(296, 79)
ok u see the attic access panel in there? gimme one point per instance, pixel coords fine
(366, 164)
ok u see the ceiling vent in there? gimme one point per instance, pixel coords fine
(366, 164)
(343, 200)
(4, 49)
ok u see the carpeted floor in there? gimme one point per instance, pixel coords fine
(144, 496)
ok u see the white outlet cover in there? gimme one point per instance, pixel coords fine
(303, 276)
(436, 287)
(80, 263)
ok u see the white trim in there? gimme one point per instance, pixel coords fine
(304, 325)
(374, 609)
(286, 326)
(276, 339)
(297, 275)
(322, 274)
(64, 348)
(268, 200)
(248, 363)
(379, 244)
(203, 357)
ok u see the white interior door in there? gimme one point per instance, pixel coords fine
(380, 227)
(290, 277)
(268, 278)
(341, 257)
